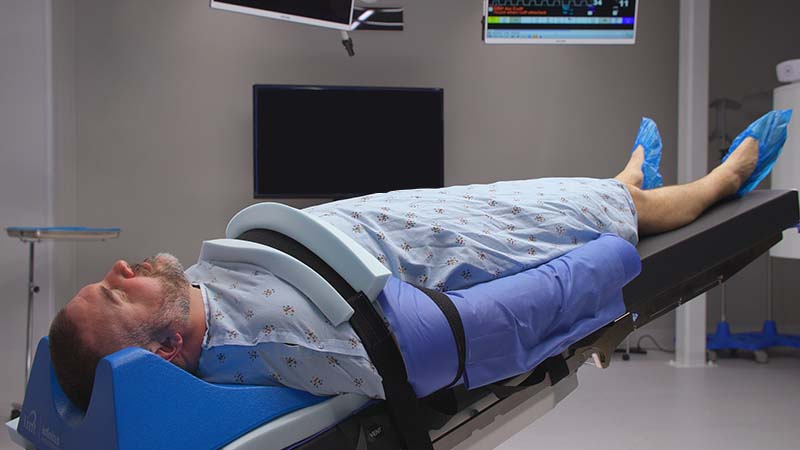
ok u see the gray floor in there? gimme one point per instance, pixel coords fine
(647, 404)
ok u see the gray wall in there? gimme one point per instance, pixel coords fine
(164, 106)
(748, 39)
(25, 181)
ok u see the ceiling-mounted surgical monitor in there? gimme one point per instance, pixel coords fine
(336, 14)
(559, 21)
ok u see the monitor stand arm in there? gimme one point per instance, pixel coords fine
(347, 41)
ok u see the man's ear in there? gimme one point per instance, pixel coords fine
(170, 347)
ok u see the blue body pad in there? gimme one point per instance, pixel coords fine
(513, 323)
(140, 401)
(423, 336)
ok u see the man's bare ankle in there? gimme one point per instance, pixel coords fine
(727, 179)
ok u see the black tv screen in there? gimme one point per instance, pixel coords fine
(338, 142)
(332, 13)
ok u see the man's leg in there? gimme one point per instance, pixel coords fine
(632, 173)
(672, 207)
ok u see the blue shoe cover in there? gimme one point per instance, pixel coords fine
(770, 131)
(650, 140)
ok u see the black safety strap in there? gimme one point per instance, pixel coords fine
(386, 357)
(375, 336)
(280, 241)
(456, 326)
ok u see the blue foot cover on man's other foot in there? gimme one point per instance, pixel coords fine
(650, 140)
(770, 132)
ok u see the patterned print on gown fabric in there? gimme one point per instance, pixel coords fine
(456, 237)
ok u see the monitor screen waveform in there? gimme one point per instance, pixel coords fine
(545, 3)
(560, 21)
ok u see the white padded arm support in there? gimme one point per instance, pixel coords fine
(348, 258)
(287, 268)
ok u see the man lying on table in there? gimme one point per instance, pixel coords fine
(239, 323)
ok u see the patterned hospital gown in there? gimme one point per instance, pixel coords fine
(261, 330)
(455, 237)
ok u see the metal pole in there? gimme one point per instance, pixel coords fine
(769, 288)
(32, 289)
(693, 63)
(724, 308)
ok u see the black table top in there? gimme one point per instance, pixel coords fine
(728, 229)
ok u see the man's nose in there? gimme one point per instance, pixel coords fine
(122, 269)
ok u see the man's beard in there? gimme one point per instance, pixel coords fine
(174, 310)
(168, 270)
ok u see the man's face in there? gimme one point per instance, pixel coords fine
(129, 299)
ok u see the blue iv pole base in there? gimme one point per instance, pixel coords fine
(723, 339)
(779, 340)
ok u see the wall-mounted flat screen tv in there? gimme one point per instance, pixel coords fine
(323, 13)
(344, 141)
(559, 21)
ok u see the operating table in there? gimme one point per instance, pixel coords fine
(128, 413)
